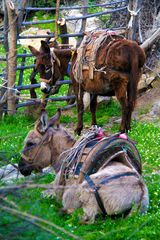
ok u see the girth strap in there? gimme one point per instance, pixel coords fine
(106, 180)
(97, 196)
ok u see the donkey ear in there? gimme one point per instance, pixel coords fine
(55, 120)
(42, 123)
(45, 47)
(34, 51)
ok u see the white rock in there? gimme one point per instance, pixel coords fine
(86, 100)
(9, 173)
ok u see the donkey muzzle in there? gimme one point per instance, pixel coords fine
(45, 87)
(24, 168)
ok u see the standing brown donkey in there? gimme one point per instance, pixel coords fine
(107, 65)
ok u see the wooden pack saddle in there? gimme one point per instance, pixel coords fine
(87, 52)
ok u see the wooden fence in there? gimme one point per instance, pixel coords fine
(13, 23)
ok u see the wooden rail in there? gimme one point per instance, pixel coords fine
(75, 7)
(38, 101)
(76, 18)
(37, 85)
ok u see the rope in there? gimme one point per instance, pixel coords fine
(133, 14)
(56, 22)
(72, 156)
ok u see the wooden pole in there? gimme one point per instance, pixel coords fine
(12, 60)
(63, 30)
(56, 21)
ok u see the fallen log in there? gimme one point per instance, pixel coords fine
(150, 41)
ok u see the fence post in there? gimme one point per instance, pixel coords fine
(63, 30)
(12, 60)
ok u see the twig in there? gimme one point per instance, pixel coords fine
(7, 189)
(13, 204)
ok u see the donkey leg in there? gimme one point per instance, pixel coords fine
(33, 81)
(128, 120)
(69, 93)
(130, 108)
(80, 109)
(123, 103)
(93, 106)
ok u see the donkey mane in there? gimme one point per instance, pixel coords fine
(63, 52)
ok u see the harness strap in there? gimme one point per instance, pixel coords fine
(116, 176)
(97, 196)
(106, 180)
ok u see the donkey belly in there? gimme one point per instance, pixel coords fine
(98, 86)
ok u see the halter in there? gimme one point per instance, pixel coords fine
(43, 139)
(53, 59)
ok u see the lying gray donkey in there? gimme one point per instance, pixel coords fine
(120, 188)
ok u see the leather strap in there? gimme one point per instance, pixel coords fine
(104, 181)
(97, 196)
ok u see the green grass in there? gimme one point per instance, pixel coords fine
(41, 15)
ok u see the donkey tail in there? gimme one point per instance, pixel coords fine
(137, 60)
(144, 200)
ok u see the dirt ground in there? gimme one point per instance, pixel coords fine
(148, 105)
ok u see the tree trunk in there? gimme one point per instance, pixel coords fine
(12, 61)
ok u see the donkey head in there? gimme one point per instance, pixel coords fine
(48, 66)
(38, 147)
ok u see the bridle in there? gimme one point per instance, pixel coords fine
(54, 59)
(45, 138)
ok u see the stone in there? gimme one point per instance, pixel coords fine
(155, 111)
(142, 85)
(100, 99)
(9, 173)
